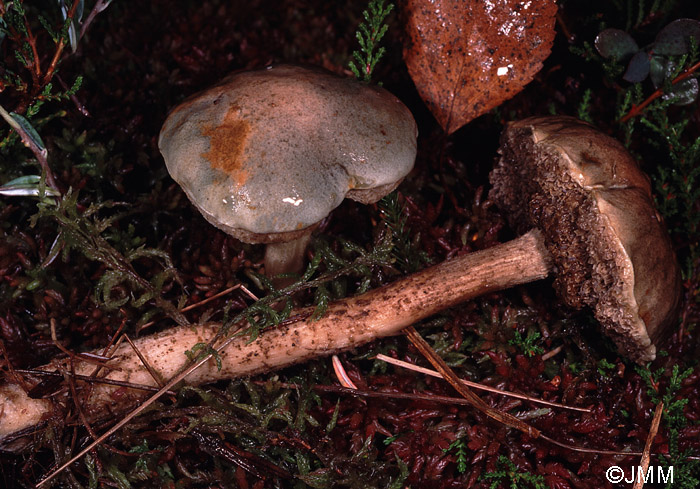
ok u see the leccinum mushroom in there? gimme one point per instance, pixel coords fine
(265, 155)
(592, 209)
(593, 205)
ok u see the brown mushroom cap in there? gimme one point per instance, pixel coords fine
(593, 204)
(267, 154)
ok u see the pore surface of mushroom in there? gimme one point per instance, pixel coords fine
(593, 205)
(265, 155)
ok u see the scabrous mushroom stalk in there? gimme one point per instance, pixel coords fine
(592, 224)
(347, 323)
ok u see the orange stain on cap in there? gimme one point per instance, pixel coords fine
(226, 145)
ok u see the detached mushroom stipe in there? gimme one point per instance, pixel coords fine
(577, 185)
(265, 155)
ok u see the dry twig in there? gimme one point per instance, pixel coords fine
(476, 385)
(646, 454)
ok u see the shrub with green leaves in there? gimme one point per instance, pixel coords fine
(38, 35)
(661, 61)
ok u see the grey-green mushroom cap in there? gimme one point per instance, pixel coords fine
(265, 155)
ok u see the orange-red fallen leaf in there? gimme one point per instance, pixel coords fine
(468, 56)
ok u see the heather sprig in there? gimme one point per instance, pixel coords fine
(369, 34)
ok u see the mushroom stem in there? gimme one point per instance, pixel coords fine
(286, 257)
(347, 323)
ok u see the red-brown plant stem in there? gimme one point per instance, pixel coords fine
(638, 109)
(100, 5)
(36, 63)
(59, 48)
(33, 67)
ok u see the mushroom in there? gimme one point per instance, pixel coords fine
(594, 208)
(590, 217)
(265, 155)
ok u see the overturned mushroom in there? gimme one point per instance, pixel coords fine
(265, 155)
(592, 209)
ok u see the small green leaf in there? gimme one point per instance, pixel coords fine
(92, 471)
(3, 30)
(25, 180)
(201, 350)
(26, 186)
(638, 68)
(662, 70)
(45, 23)
(674, 39)
(684, 92)
(616, 43)
(26, 131)
(321, 299)
(76, 86)
(74, 27)
(659, 67)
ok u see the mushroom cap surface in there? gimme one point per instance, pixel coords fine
(265, 155)
(594, 206)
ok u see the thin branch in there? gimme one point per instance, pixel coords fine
(92, 379)
(552, 353)
(78, 406)
(60, 46)
(36, 63)
(341, 374)
(100, 5)
(448, 374)
(410, 396)
(157, 378)
(504, 418)
(78, 104)
(200, 303)
(646, 455)
(638, 109)
(474, 385)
